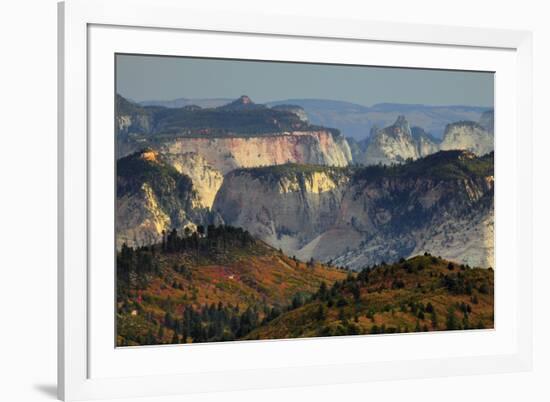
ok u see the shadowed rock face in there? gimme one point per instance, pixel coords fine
(400, 217)
(206, 179)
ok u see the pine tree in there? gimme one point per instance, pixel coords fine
(452, 322)
(321, 313)
(323, 291)
(417, 328)
(150, 338)
(434, 320)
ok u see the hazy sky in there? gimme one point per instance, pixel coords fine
(165, 78)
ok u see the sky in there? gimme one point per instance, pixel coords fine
(141, 78)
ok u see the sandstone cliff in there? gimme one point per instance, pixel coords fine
(425, 143)
(442, 204)
(444, 214)
(287, 206)
(226, 154)
(206, 179)
(153, 197)
(398, 142)
(393, 144)
(468, 136)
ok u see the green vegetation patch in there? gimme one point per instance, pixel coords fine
(293, 170)
(443, 165)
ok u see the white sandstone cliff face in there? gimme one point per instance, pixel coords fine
(286, 211)
(469, 239)
(152, 197)
(343, 147)
(467, 136)
(141, 217)
(226, 154)
(459, 229)
(362, 223)
(206, 180)
(396, 143)
(140, 220)
(393, 144)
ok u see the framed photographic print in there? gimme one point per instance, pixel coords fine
(260, 201)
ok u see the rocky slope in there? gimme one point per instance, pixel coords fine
(442, 203)
(468, 136)
(445, 208)
(153, 197)
(206, 179)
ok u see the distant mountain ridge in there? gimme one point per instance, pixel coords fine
(240, 117)
(355, 120)
(140, 126)
(182, 102)
(394, 143)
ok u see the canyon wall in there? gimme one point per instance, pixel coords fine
(226, 154)
(356, 219)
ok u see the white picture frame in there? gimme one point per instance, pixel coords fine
(90, 31)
